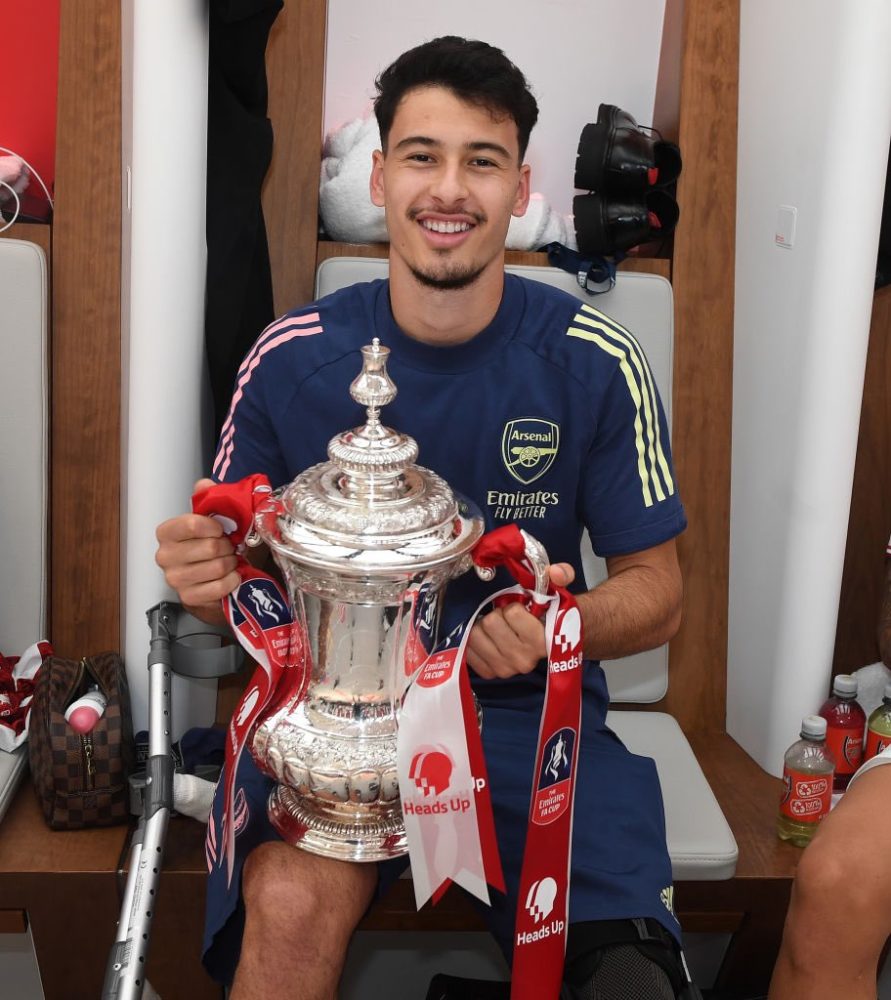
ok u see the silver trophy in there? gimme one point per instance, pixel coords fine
(366, 543)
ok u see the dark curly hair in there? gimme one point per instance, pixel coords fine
(474, 71)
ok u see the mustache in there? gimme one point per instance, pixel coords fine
(478, 217)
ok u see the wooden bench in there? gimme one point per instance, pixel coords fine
(67, 886)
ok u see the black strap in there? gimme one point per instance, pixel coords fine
(595, 274)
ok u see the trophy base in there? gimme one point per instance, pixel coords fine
(364, 836)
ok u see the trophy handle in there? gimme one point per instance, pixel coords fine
(537, 559)
(265, 524)
(538, 562)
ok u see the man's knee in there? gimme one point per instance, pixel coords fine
(835, 903)
(287, 887)
(835, 879)
(624, 959)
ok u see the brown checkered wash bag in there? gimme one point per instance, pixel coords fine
(81, 780)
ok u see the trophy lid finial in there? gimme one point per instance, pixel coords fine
(373, 387)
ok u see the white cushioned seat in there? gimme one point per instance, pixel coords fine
(700, 842)
(24, 308)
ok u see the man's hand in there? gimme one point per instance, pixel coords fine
(511, 640)
(198, 561)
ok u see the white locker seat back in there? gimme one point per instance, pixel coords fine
(23, 462)
(700, 842)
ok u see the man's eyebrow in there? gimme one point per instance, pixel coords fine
(416, 140)
(481, 146)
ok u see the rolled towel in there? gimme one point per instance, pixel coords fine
(539, 226)
(345, 205)
(871, 681)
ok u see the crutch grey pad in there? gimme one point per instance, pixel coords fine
(198, 649)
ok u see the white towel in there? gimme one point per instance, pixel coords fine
(349, 216)
(871, 681)
(192, 796)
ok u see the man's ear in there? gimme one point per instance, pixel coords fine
(376, 181)
(521, 203)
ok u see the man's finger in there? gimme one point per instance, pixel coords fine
(188, 526)
(561, 574)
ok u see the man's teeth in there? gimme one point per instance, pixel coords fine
(445, 227)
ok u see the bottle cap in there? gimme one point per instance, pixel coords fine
(844, 685)
(813, 727)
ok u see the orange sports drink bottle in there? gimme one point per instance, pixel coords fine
(807, 773)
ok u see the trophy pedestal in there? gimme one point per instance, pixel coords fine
(342, 833)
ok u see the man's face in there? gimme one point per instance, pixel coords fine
(450, 181)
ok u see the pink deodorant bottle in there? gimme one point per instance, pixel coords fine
(86, 711)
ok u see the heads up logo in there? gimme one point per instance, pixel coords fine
(528, 447)
(540, 898)
(568, 633)
(431, 771)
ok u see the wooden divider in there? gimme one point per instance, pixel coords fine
(703, 280)
(295, 67)
(870, 518)
(85, 589)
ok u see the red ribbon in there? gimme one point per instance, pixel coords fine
(261, 619)
(542, 917)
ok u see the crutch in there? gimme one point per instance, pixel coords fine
(179, 644)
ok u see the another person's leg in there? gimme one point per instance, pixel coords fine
(840, 914)
(301, 911)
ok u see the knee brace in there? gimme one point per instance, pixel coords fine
(625, 960)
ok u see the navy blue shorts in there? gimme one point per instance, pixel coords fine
(620, 864)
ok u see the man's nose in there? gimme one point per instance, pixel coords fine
(450, 184)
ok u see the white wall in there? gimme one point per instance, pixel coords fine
(814, 126)
(575, 54)
(164, 111)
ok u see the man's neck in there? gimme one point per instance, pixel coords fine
(445, 317)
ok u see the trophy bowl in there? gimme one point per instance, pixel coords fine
(366, 543)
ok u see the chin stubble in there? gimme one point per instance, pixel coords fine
(451, 279)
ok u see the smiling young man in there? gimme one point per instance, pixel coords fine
(542, 411)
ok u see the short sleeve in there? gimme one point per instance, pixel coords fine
(630, 498)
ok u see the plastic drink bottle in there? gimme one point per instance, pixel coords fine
(878, 728)
(807, 773)
(845, 721)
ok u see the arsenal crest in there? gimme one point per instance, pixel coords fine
(529, 447)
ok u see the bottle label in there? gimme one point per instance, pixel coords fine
(875, 743)
(806, 797)
(846, 748)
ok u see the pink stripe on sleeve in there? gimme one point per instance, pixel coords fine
(224, 454)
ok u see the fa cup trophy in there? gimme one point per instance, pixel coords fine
(366, 543)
